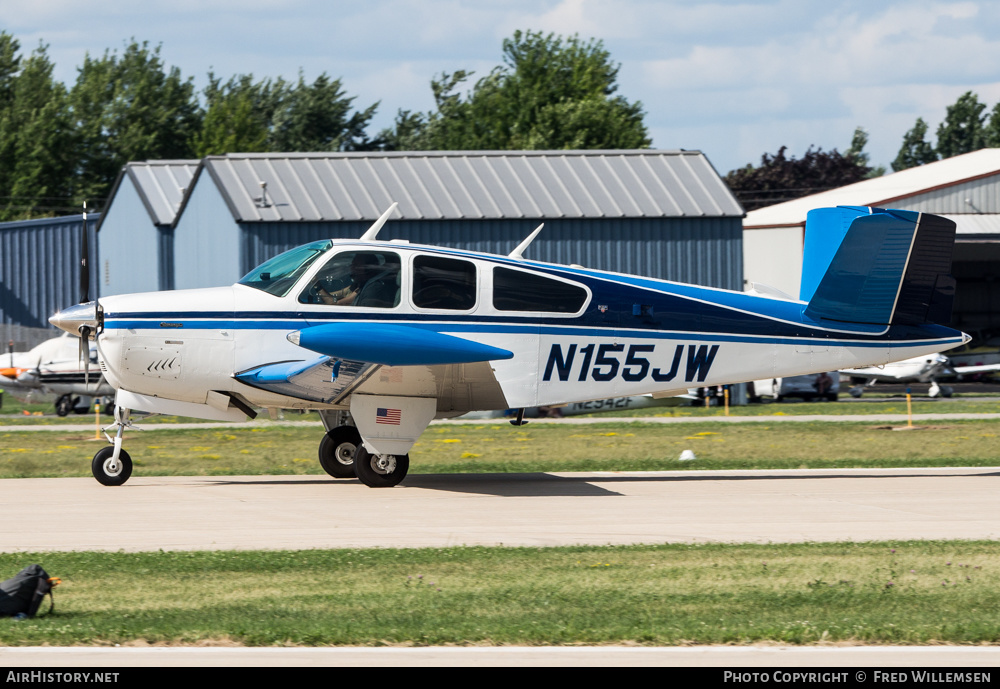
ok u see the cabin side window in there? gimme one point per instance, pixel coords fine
(356, 278)
(444, 283)
(517, 290)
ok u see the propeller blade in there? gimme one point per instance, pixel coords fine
(85, 352)
(84, 262)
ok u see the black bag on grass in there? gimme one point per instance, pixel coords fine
(23, 593)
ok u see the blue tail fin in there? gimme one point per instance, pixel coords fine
(878, 267)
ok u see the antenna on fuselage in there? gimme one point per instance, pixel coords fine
(371, 232)
(516, 253)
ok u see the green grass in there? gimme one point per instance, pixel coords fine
(540, 447)
(488, 447)
(889, 593)
(12, 412)
(959, 404)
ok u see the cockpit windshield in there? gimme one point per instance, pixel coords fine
(278, 275)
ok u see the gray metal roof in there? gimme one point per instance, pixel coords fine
(161, 185)
(435, 185)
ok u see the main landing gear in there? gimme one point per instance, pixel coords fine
(380, 471)
(112, 466)
(343, 455)
(337, 451)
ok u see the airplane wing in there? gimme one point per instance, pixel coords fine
(353, 352)
(393, 345)
(982, 368)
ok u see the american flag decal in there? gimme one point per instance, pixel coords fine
(389, 416)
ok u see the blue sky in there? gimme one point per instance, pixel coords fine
(731, 78)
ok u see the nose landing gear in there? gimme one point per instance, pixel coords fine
(112, 466)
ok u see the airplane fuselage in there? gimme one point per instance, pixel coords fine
(622, 335)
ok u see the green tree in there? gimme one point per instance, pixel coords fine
(856, 153)
(130, 108)
(779, 178)
(962, 130)
(10, 61)
(238, 115)
(991, 134)
(406, 133)
(318, 117)
(915, 149)
(36, 136)
(549, 93)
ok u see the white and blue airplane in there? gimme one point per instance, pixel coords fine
(55, 367)
(381, 337)
(922, 369)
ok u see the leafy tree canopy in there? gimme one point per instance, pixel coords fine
(966, 128)
(779, 178)
(962, 129)
(246, 116)
(36, 136)
(915, 149)
(549, 93)
(317, 117)
(130, 107)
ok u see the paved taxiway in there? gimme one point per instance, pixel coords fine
(178, 513)
(733, 657)
(544, 509)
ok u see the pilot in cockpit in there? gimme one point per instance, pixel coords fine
(372, 283)
(362, 269)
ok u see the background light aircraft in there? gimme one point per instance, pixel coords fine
(382, 337)
(920, 369)
(55, 367)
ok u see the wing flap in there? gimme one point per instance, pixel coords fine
(324, 380)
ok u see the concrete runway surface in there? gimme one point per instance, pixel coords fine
(734, 657)
(545, 509)
(284, 512)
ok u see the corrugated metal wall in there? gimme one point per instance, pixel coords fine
(977, 196)
(40, 268)
(704, 251)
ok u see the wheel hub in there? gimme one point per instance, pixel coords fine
(345, 454)
(384, 464)
(112, 467)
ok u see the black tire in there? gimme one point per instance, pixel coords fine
(104, 473)
(63, 405)
(832, 396)
(380, 471)
(337, 450)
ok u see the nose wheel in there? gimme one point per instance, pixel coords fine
(112, 465)
(110, 470)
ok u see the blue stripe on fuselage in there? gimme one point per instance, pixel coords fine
(944, 335)
(664, 309)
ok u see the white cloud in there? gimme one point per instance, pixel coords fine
(735, 78)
